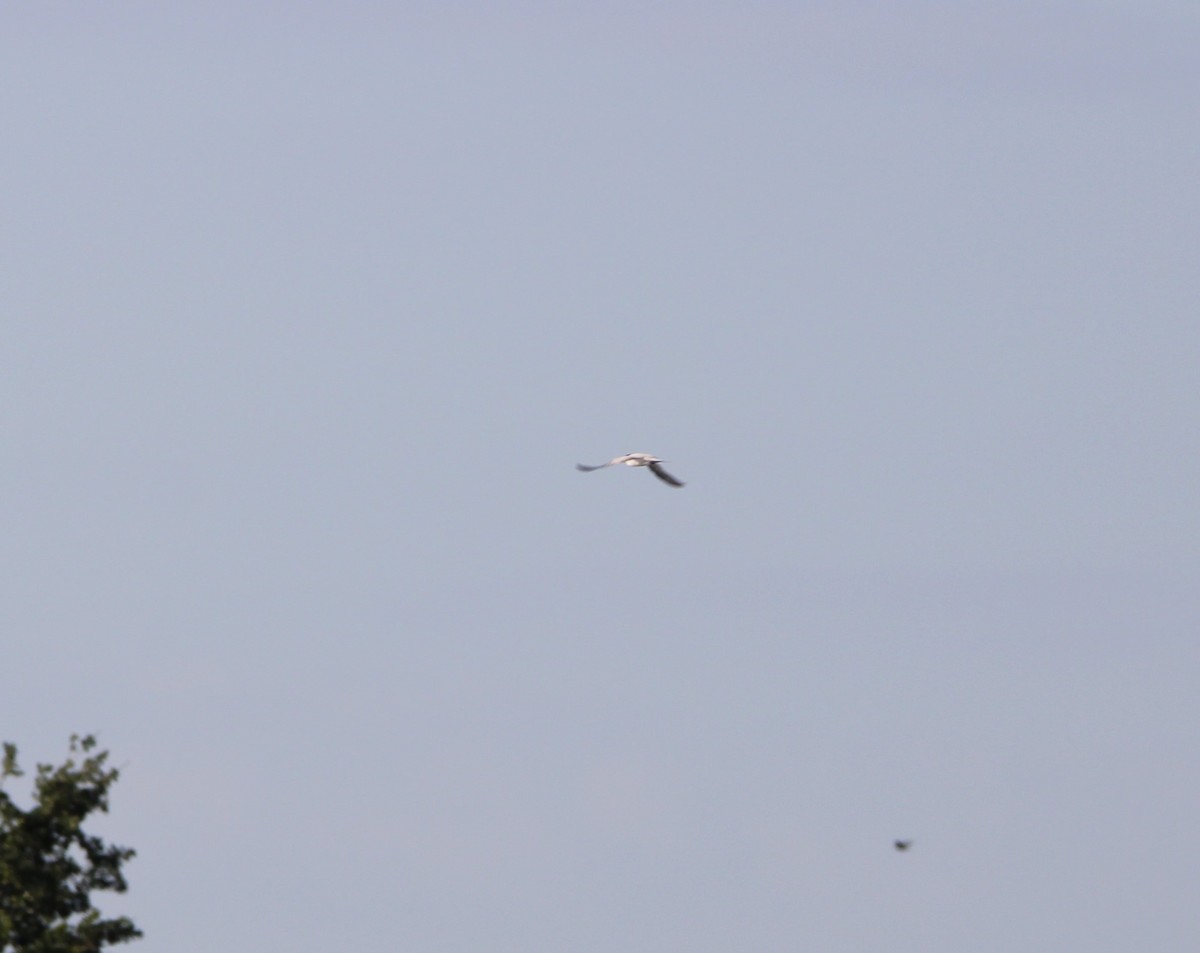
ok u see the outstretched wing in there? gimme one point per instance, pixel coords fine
(663, 475)
(586, 469)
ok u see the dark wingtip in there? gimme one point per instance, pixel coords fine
(663, 475)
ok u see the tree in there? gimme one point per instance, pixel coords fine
(49, 866)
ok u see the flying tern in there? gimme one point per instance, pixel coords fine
(636, 460)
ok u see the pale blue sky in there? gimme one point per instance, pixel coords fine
(308, 310)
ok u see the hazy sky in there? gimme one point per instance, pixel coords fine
(308, 311)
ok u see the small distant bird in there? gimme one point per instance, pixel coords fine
(636, 460)
(903, 844)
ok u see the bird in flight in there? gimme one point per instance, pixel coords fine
(636, 460)
(903, 844)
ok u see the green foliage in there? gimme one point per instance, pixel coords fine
(49, 866)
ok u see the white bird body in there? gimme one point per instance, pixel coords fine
(635, 460)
